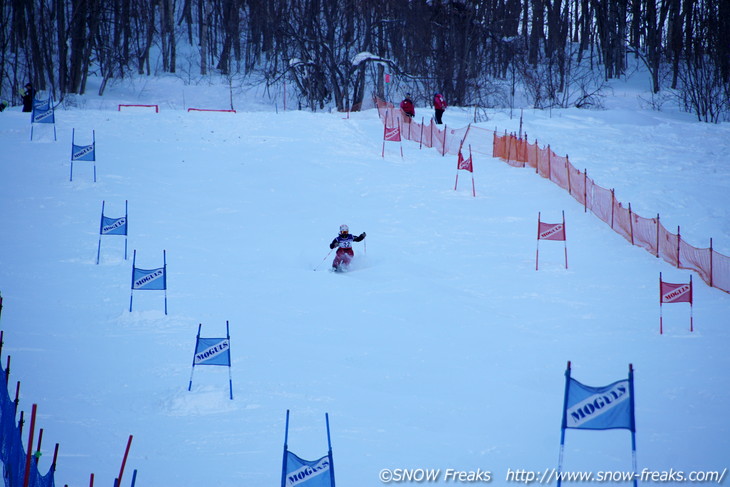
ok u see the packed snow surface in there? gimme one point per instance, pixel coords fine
(442, 348)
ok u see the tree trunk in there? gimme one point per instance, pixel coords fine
(77, 29)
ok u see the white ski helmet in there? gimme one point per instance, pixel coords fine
(344, 229)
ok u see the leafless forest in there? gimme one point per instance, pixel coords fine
(336, 53)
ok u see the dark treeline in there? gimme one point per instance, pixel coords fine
(336, 52)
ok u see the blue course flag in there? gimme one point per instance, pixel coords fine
(149, 279)
(599, 408)
(45, 116)
(213, 351)
(42, 105)
(114, 226)
(83, 152)
(305, 473)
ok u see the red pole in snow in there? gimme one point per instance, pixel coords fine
(29, 455)
(124, 460)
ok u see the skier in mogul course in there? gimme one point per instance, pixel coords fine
(344, 254)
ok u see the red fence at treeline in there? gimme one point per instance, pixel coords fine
(648, 233)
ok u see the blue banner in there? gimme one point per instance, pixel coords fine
(43, 116)
(42, 105)
(213, 351)
(305, 473)
(83, 152)
(149, 279)
(599, 408)
(113, 226)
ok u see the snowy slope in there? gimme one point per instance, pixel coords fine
(444, 348)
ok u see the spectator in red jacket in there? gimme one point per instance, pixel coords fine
(407, 107)
(439, 106)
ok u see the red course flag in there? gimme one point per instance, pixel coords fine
(465, 164)
(676, 293)
(392, 134)
(551, 231)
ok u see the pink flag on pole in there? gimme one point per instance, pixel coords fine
(551, 231)
(392, 134)
(676, 293)
(465, 164)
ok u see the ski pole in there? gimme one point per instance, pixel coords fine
(325, 258)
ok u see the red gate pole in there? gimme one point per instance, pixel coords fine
(124, 461)
(29, 455)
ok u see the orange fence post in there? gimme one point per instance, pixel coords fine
(550, 174)
(658, 226)
(420, 141)
(679, 246)
(631, 225)
(613, 202)
(711, 262)
(443, 146)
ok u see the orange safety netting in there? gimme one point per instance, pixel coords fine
(648, 233)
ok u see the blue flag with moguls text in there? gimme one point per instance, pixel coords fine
(213, 351)
(305, 473)
(599, 408)
(149, 279)
(83, 152)
(43, 111)
(113, 226)
(43, 116)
